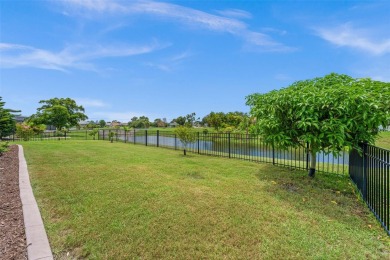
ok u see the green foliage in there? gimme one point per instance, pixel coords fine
(59, 112)
(332, 112)
(7, 121)
(111, 136)
(186, 136)
(141, 122)
(3, 147)
(93, 133)
(189, 120)
(102, 123)
(92, 125)
(158, 122)
(229, 122)
(24, 131)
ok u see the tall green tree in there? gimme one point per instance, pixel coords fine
(328, 113)
(102, 123)
(7, 120)
(59, 112)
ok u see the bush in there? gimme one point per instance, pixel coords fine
(3, 147)
(24, 131)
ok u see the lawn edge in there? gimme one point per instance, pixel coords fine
(38, 246)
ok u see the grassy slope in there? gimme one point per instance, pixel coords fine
(105, 200)
(383, 140)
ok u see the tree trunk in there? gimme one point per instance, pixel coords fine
(313, 162)
(185, 152)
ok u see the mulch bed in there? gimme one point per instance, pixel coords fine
(12, 235)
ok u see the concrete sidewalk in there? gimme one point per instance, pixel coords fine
(38, 246)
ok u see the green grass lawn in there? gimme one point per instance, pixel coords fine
(120, 201)
(383, 140)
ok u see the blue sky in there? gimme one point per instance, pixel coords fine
(164, 59)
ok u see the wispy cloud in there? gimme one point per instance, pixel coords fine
(170, 64)
(346, 35)
(71, 57)
(88, 102)
(185, 15)
(235, 13)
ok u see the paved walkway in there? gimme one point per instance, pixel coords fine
(38, 246)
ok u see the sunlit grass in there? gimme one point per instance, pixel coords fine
(383, 140)
(120, 201)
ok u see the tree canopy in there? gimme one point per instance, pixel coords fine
(7, 121)
(59, 112)
(141, 122)
(331, 112)
(231, 121)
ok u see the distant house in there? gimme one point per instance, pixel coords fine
(83, 124)
(115, 123)
(173, 124)
(20, 119)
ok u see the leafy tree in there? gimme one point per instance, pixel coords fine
(102, 123)
(181, 120)
(24, 131)
(186, 136)
(331, 112)
(191, 119)
(215, 120)
(7, 121)
(92, 125)
(159, 123)
(93, 133)
(141, 122)
(59, 112)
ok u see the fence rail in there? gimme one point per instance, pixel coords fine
(370, 171)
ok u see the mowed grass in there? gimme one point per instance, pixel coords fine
(383, 140)
(102, 200)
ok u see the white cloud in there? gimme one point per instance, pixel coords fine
(71, 57)
(171, 63)
(87, 102)
(235, 13)
(189, 16)
(346, 35)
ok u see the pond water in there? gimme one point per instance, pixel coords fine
(236, 148)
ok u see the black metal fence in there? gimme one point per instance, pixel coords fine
(370, 171)
(231, 145)
(56, 135)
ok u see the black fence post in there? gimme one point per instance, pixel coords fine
(125, 136)
(198, 143)
(146, 137)
(86, 134)
(158, 137)
(65, 135)
(175, 142)
(134, 135)
(307, 156)
(364, 158)
(229, 145)
(273, 153)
